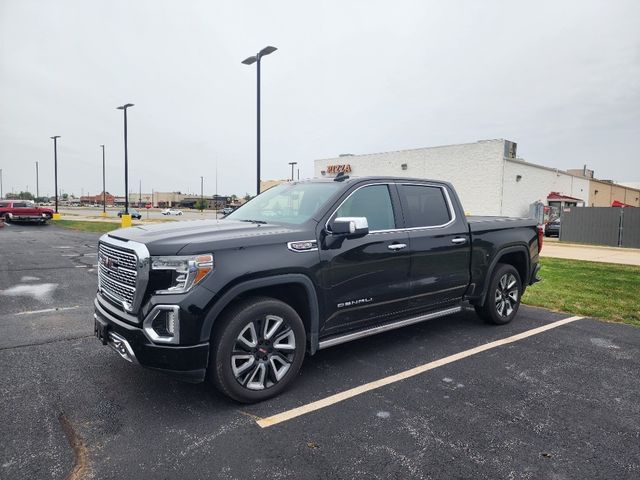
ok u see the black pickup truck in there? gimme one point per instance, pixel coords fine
(304, 266)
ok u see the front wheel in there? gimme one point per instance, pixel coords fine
(503, 297)
(257, 349)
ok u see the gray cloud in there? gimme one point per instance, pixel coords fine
(559, 78)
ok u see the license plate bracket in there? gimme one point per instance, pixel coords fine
(101, 330)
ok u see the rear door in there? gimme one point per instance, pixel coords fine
(366, 280)
(440, 245)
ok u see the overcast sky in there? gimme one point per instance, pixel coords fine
(562, 79)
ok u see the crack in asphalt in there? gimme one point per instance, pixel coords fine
(45, 343)
(81, 464)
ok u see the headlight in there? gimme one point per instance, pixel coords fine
(189, 270)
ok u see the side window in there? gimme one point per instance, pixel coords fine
(373, 202)
(426, 206)
(19, 204)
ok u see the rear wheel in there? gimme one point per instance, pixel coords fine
(257, 349)
(503, 297)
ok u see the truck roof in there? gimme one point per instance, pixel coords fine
(351, 179)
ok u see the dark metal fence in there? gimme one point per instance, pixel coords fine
(617, 227)
(631, 228)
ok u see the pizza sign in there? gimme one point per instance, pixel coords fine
(339, 168)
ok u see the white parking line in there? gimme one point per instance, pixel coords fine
(367, 387)
(58, 309)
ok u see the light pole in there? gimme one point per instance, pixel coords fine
(104, 193)
(251, 61)
(55, 168)
(37, 183)
(1, 195)
(201, 194)
(126, 159)
(292, 165)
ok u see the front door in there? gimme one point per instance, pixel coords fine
(366, 280)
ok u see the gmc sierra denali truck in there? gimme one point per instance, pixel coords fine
(239, 302)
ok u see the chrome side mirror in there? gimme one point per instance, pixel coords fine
(350, 226)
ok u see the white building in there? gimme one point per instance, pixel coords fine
(487, 175)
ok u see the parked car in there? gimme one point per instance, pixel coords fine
(227, 210)
(133, 212)
(171, 211)
(304, 266)
(24, 211)
(552, 228)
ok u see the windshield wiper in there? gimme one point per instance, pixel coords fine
(259, 222)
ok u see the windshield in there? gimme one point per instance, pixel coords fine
(287, 203)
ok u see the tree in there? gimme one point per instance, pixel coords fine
(25, 196)
(247, 197)
(200, 205)
(233, 198)
(65, 196)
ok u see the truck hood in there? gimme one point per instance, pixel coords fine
(200, 236)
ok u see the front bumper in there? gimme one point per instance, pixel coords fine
(188, 363)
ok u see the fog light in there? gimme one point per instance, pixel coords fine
(162, 325)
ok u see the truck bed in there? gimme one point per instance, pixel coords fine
(486, 223)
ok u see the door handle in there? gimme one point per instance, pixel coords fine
(397, 246)
(459, 240)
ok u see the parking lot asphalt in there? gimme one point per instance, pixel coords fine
(561, 404)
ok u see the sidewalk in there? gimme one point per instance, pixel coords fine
(592, 253)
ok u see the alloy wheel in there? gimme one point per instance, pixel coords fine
(506, 295)
(263, 352)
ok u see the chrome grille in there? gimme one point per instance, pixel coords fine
(117, 274)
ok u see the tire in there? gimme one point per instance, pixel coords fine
(245, 363)
(7, 218)
(503, 296)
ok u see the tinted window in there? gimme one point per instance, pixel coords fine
(426, 206)
(19, 204)
(373, 202)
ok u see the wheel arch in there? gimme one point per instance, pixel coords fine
(296, 290)
(515, 255)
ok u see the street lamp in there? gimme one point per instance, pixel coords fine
(251, 61)
(126, 159)
(104, 194)
(55, 167)
(292, 164)
(37, 183)
(201, 194)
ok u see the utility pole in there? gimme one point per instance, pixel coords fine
(1, 184)
(37, 183)
(140, 194)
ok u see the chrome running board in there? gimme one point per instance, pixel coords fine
(330, 342)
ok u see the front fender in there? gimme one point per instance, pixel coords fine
(233, 293)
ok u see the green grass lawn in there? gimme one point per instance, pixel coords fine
(99, 227)
(602, 290)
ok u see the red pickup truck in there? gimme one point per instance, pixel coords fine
(24, 211)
